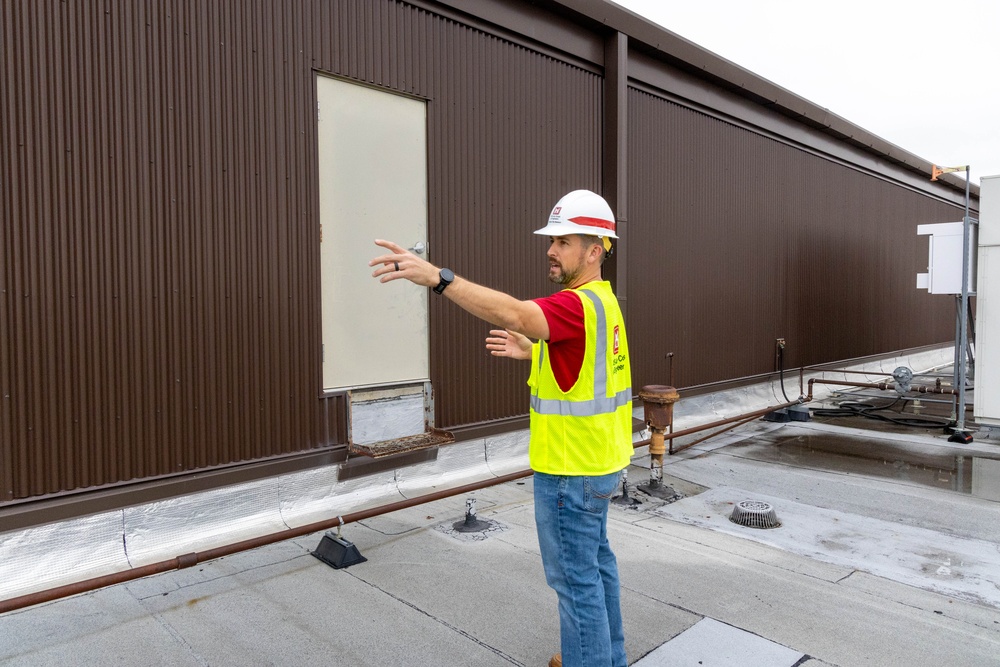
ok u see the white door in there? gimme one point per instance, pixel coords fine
(373, 184)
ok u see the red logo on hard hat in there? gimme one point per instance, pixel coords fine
(556, 210)
(616, 338)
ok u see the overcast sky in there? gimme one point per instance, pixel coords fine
(922, 75)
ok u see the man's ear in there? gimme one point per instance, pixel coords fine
(595, 252)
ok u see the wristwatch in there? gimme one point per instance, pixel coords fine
(447, 276)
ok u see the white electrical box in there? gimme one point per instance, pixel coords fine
(987, 398)
(944, 258)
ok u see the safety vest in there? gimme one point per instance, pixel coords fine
(588, 429)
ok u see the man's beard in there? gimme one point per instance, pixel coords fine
(563, 277)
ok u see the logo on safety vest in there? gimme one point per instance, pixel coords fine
(617, 338)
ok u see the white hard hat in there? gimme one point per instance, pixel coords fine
(581, 212)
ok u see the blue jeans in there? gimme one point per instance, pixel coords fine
(571, 515)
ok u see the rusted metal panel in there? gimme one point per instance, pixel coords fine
(738, 239)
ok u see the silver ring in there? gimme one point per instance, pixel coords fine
(397, 265)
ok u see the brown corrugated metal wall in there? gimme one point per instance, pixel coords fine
(513, 146)
(160, 246)
(160, 267)
(159, 285)
(738, 239)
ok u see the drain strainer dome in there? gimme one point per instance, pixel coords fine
(754, 514)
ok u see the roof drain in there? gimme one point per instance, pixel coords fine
(754, 514)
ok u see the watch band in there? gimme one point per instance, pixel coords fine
(447, 277)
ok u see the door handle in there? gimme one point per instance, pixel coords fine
(419, 247)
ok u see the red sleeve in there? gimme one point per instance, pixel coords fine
(567, 335)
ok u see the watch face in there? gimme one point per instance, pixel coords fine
(446, 276)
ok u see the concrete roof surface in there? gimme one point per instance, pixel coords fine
(886, 555)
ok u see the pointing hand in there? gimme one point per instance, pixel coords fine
(401, 263)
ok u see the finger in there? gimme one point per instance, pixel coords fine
(389, 245)
(384, 259)
(502, 333)
(390, 276)
(385, 274)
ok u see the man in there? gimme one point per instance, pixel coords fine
(581, 411)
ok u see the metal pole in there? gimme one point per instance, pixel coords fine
(958, 340)
(964, 335)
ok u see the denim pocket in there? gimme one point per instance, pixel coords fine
(597, 491)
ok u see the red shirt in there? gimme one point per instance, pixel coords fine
(567, 336)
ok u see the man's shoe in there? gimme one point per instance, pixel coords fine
(556, 660)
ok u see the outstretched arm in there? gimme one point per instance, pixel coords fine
(503, 343)
(525, 317)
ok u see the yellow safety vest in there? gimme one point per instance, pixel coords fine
(588, 429)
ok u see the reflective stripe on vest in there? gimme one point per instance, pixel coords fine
(597, 406)
(601, 404)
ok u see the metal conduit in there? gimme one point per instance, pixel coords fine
(191, 559)
(741, 422)
(743, 418)
(884, 386)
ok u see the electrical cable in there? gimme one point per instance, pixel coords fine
(861, 409)
(781, 372)
(871, 411)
